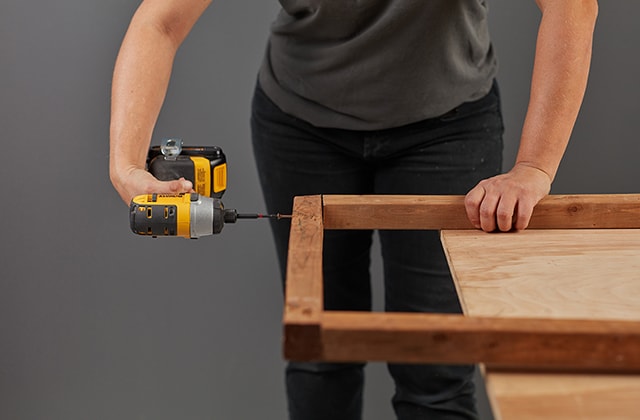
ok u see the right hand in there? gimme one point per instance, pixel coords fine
(505, 202)
(139, 181)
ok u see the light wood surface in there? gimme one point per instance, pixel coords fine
(579, 274)
(562, 274)
(530, 396)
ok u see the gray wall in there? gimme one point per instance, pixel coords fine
(96, 323)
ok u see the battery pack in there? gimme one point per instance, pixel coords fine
(204, 166)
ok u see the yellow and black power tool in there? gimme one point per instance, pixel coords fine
(190, 215)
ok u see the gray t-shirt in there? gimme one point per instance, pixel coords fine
(375, 64)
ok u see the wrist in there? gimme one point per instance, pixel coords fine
(120, 174)
(538, 168)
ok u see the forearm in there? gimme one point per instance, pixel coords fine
(140, 81)
(563, 56)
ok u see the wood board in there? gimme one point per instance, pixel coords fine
(535, 396)
(579, 274)
(555, 274)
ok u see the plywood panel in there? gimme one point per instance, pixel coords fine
(521, 396)
(580, 274)
(560, 274)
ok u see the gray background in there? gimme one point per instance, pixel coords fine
(96, 323)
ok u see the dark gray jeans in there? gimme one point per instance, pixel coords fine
(445, 155)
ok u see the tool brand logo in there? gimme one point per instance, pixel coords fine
(171, 195)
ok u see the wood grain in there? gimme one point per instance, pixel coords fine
(528, 396)
(601, 211)
(303, 296)
(559, 274)
(579, 274)
(500, 343)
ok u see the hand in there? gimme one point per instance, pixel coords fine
(138, 181)
(505, 202)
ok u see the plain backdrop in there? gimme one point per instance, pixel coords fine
(97, 323)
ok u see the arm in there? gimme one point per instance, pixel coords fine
(562, 60)
(140, 81)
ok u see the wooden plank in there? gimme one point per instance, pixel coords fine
(529, 396)
(394, 212)
(602, 211)
(303, 297)
(571, 274)
(590, 211)
(501, 343)
(556, 274)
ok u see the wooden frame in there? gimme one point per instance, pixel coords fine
(313, 334)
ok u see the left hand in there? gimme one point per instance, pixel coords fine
(505, 202)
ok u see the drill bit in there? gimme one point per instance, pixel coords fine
(263, 216)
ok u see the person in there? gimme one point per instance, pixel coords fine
(375, 97)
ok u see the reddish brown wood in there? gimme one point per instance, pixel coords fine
(303, 297)
(549, 344)
(604, 211)
(499, 343)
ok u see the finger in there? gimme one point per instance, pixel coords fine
(488, 212)
(472, 202)
(523, 214)
(505, 213)
(178, 186)
(167, 187)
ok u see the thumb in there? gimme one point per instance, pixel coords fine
(177, 186)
